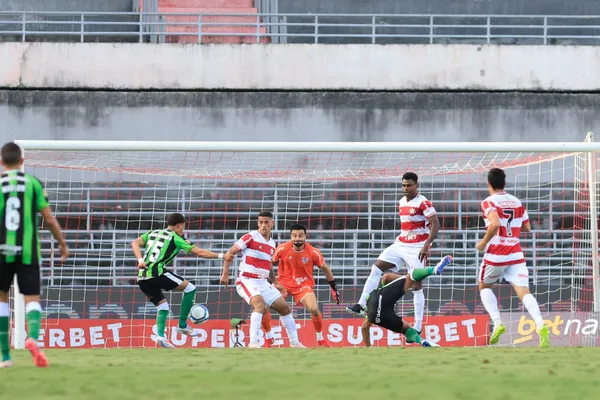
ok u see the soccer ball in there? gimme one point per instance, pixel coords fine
(199, 314)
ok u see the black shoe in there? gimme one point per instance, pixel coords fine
(410, 341)
(356, 309)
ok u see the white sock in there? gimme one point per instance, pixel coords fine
(33, 306)
(290, 327)
(370, 285)
(319, 336)
(488, 298)
(419, 302)
(255, 319)
(533, 308)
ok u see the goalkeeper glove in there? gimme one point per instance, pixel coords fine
(334, 291)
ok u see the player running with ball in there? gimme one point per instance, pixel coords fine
(160, 248)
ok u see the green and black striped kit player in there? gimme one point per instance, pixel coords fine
(23, 196)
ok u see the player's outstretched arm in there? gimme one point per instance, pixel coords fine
(329, 276)
(492, 230)
(228, 258)
(210, 255)
(54, 227)
(136, 245)
(434, 228)
(366, 332)
(526, 227)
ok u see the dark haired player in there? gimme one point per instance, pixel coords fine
(160, 248)
(296, 260)
(23, 196)
(257, 248)
(505, 217)
(419, 226)
(381, 305)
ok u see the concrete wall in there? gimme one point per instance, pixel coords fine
(310, 67)
(298, 116)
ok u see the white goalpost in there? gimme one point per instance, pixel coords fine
(106, 193)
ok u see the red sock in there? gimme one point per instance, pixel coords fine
(266, 322)
(318, 323)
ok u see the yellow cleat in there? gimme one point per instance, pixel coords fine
(498, 330)
(544, 336)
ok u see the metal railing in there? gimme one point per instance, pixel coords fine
(300, 28)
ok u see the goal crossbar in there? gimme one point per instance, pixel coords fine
(381, 147)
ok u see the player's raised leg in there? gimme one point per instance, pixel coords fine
(371, 284)
(309, 300)
(287, 320)
(187, 302)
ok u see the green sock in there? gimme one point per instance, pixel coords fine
(412, 334)
(161, 322)
(34, 318)
(4, 341)
(186, 305)
(421, 273)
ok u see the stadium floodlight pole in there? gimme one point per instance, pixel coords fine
(382, 147)
(591, 171)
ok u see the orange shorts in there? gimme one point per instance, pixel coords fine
(299, 293)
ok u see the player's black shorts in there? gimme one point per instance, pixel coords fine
(153, 287)
(28, 277)
(382, 303)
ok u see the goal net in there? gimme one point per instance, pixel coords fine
(107, 194)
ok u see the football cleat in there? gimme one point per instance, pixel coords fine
(188, 331)
(544, 336)
(439, 267)
(356, 309)
(323, 343)
(498, 330)
(427, 343)
(39, 358)
(164, 343)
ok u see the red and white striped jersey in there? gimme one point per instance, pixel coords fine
(505, 248)
(414, 223)
(257, 253)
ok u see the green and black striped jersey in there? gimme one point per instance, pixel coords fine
(162, 246)
(23, 196)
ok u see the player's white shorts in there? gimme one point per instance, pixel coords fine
(248, 288)
(517, 274)
(402, 255)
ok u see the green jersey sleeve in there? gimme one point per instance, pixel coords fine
(41, 195)
(145, 237)
(182, 243)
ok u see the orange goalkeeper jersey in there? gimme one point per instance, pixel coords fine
(296, 267)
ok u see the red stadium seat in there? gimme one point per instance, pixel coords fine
(239, 33)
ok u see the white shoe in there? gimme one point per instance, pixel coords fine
(298, 346)
(6, 364)
(253, 346)
(164, 343)
(428, 343)
(188, 331)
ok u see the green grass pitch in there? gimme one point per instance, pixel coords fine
(315, 374)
